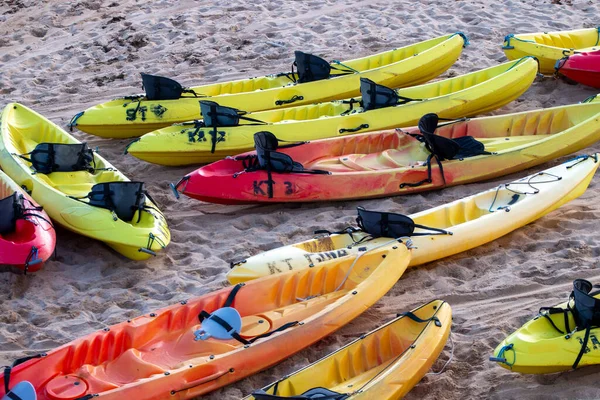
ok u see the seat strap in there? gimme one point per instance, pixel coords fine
(437, 231)
(583, 347)
(348, 230)
(228, 303)
(13, 396)
(412, 316)
(236, 335)
(547, 311)
(8, 369)
(232, 294)
(428, 179)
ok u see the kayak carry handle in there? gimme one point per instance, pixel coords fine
(352, 130)
(147, 251)
(174, 190)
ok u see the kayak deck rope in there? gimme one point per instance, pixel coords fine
(73, 122)
(515, 198)
(502, 359)
(510, 37)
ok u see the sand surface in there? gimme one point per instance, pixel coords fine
(60, 57)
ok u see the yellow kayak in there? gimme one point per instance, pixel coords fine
(469, 222)
(409, 65)
(464, 95)
(557, 339)
(384, 364)
(63, 193)
(549, 47)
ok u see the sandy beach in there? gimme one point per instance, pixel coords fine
(61, 57)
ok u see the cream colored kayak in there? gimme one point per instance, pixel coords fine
(473, 221)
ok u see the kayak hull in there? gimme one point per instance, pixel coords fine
(384, 364)
(404, 66)
(155, 356)
(583, 68)
(34, 238)
(380, 164)
(462, 96)
(549, 47)
(469, 219)
(21, 130)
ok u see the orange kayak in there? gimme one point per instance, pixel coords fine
(169, 354)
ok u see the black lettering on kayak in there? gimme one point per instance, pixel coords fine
(289, 188)
(133, 112)
(287, 261)
(595, 342)
(195, 135)
(307, 256)
(587, 349)
(158, 110)
(273, 268)
(258, 190)
(331, 255)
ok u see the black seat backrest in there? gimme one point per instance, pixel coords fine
(376, 96)
(60, 157)
(161, 88)
(11, 209)
(311, 68)
(123, 198)
(265, 141)
(384, 224)
(587, 307)
(266, 145)
(215, 115)
(443, 148)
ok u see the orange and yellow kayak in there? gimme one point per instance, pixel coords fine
(169, 354)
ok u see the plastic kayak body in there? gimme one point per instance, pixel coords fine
(549, 47)
(461, 96)
(473, 221)
(583, 68)
(21, 130)
(384, 364)
(404, 66)
(377, 164)
(539, 348)
(156, 356)
(33, 240)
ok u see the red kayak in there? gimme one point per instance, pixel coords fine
(27, 237)
(394, 162)
(583, 68)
